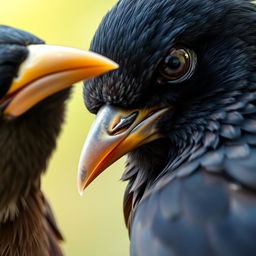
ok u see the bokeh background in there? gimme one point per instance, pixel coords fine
(93, 224)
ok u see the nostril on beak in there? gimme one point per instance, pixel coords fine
(123, 124)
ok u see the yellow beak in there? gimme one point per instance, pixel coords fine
(47, 70)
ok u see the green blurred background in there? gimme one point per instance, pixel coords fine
(93, 224)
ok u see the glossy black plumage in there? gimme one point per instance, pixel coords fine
(193, 192)
(27, 226)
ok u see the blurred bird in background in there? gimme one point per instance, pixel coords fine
(182, 106)
(30, 72)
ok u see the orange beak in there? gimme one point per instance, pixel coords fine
(47, 70)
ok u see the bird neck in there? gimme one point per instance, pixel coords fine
(31, 233)
(143, 166)
(26, 144)
(229, 131)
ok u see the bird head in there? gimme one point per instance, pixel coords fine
(35, 81)
(185, 82)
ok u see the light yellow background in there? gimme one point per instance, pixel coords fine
(93, 224)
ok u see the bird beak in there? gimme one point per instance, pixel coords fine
(114, 133)
(47, 70)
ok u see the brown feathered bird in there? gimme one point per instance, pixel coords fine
(35, 83)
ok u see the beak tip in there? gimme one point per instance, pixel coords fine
(112, 65)
(80, 188)
(116, 66)
(81, 177)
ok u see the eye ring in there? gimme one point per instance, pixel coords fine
(179, 64)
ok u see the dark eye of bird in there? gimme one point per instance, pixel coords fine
(179, 65)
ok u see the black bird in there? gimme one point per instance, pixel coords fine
(29, 73)
(183, 106)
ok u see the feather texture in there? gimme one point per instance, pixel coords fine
(192, 192)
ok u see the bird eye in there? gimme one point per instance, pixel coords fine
(178, 65)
